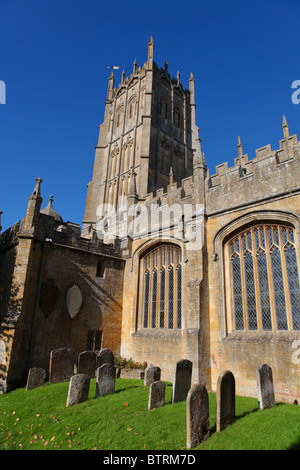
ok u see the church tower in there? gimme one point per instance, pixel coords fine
(148, 128)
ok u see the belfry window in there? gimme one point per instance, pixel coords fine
(264, 290)
(161, 272)
(177, 117)
(164, 107)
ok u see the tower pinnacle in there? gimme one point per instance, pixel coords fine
(285, 128)
(150, 52)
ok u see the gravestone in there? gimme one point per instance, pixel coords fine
(105, 356)
(182, 380)
(105, 380)
(197, 416)
(265, 387)
(152, 374)
(62, 362)
(157, 393)
(78, 389)
(36, 378)
(225, 414)
(87, 363)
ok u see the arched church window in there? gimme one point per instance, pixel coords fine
(119, 116)
(177, 117)
(143, 94)
(161, 272)
(163, 107)
(132, 108)
(264, 290)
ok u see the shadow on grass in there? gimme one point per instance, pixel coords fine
(126, 388)
(295, 445)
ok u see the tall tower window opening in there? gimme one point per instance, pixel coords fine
(164, 107)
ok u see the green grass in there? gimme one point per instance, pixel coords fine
(39, 419)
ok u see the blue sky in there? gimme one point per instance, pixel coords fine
(54, 55)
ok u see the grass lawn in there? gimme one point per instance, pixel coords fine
(39, 420)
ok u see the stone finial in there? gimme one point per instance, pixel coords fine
(111, 82)
(150, 51)
(285, 128)
(134, 66)
(37, 189)
(239, 147)
(0, 220)
(166, 67)
(178, 77)
(199, 159)
(192, 88)
(171, 176)
(123, 76)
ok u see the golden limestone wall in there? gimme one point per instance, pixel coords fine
(269, 193)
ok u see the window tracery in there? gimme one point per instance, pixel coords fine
(162, 288)
(264, 279)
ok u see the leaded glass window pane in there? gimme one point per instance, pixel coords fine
(278, 286)
(264, 291)
(170, 298)
(146, 298)
(294, 288)
(237, 293)
(179, 297)
(154, 294)
(162, 299)
(250, 292)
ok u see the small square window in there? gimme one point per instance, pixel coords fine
(94, 340)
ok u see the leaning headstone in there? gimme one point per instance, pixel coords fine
(105, 356)
(182, 380)
(265, 387)
(87, 363)
(225, 414)
(36, 378)
(78, 389)
(62, 363)
(105, 380)
(197, 416)
(152, 374)
(157, 393)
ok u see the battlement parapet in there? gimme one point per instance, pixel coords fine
(68, 234)
(270, 173)
(9, 237)
(175, 191)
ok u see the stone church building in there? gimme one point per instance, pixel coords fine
(171, 262)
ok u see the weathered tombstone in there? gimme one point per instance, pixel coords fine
(105, 356)
(225, 414)
(157, 393)
(265, 387)
(87, 363)
(78, 389)
(62, 362)
(152, 374)
(182, 380)
(105, 380)
(36, 378)
(197, 416)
